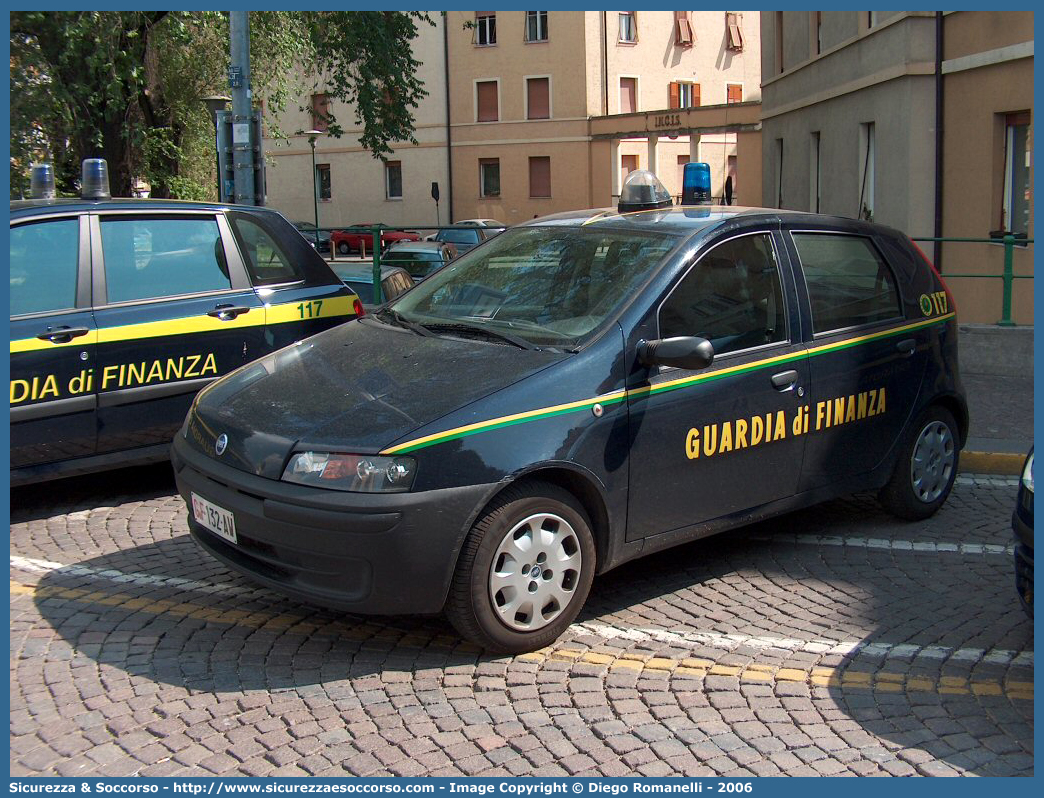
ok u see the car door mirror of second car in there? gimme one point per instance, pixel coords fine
(684, 352)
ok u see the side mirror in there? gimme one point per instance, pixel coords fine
(684, 352)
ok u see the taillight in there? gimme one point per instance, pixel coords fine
(357, 306)
(942, 282)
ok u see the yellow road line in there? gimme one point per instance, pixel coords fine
(644, 664)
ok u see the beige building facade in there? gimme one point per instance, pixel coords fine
(353, 186)
(516, 155)
(987, 157)
(918, 120)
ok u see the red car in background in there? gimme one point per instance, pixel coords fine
(353, 240)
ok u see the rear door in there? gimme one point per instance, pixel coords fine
(173, 312)
(866, 359)
(53, 341)
(300, 293)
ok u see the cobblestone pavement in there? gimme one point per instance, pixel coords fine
(833, 641)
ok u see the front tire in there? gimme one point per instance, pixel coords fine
(926, 468)
(525, 570)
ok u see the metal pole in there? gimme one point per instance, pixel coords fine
(378, 295)
(1009, 274)
(239, 78)
(315, 194)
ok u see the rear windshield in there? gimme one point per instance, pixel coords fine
(459, 236)
(549, 285)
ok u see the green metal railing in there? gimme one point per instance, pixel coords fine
(1008, 275)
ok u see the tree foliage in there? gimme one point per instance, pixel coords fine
(128, 86)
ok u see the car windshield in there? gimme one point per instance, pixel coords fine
(552, 286)
(459, 236)
(418, 264)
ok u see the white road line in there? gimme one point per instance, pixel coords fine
(886, 544)
(33, 566)
(727, 642)
(730, 642)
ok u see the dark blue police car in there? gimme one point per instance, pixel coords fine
(578, 392)
(121, 310)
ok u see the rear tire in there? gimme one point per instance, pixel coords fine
(343, 248)
(524, 571)
(926, 467)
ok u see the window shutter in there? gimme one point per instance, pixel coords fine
(695, 95)
(735, 35)
(683, 36)
(675, 95)
(538, 99)
(540, 176)
(734, 93)
(487, 101)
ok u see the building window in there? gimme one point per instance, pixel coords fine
(733, 34)
(536, 26)
(487, 101)
(540, 177)
(683, 35)
(1015, 211)
(733, 93)
(489, 177)
(628, 27)
(779, 173)
(322, 181)
(684, 95)
(485, 28)
(628, 163)
(538, 98)
(867, 170)
(320, 111)
(815, 172)
(628, 95)
(871, 19)
(393, 180)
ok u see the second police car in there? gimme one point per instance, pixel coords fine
(573, 394)
(121, 310)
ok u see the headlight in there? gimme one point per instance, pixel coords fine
(362, 473)
(1027, 474)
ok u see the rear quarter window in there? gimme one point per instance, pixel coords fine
(267, 262)
(849, 283)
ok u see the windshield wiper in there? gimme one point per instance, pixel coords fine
(521, 343)
(401, 321)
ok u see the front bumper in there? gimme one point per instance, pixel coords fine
(366, 553)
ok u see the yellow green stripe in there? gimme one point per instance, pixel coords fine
(648, 390)
(257, 317)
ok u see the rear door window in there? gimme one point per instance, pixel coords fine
(153, 257)
(266, 261)
(849, 283)
(44, 259)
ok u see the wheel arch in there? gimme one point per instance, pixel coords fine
(581, 484)
(959, 410)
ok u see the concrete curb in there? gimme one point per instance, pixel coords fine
(997, 463)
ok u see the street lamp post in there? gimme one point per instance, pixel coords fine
(314, 134)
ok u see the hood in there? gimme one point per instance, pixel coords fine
(354, 388)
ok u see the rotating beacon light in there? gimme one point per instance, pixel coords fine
(41, 181)
(696, 184)
(642, 191)
(94, 180)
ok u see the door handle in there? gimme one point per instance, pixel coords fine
(785, 380)
(62, 335)
(906, 347)
(228, 312)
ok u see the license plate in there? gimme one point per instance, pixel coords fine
(217, 519)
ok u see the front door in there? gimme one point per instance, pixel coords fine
(175, 313)
(53, 342)
(728, 438)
